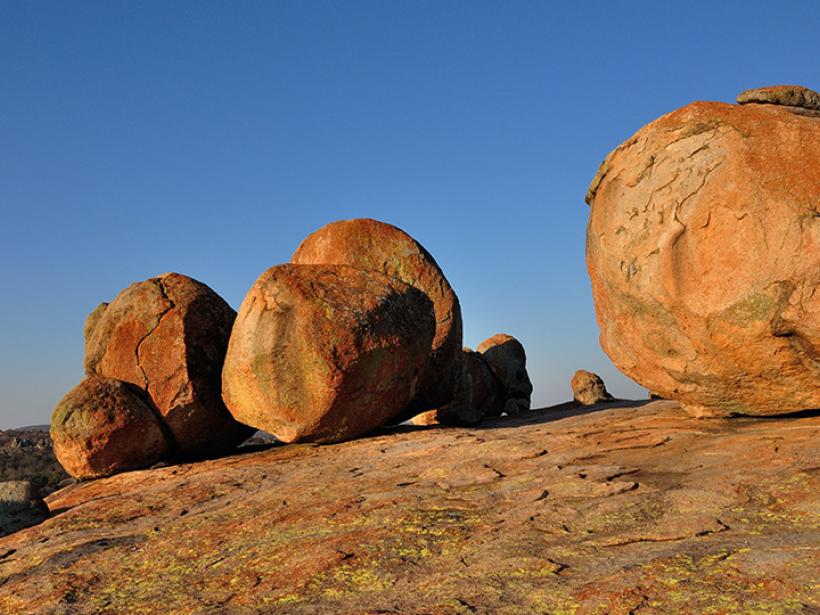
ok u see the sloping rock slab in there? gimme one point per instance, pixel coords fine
(616, 508)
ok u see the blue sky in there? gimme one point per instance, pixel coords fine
(210, 138)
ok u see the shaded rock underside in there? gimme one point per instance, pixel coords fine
(631, 507)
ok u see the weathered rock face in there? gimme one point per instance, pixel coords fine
(588, 388)
(102, 427)
(370, 244)
(507, 358)
(326, 353)
(20, 506)
(703, 248)
(635, 507)
(478, 394)
(168, 335)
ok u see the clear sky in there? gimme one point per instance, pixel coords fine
(210, 138)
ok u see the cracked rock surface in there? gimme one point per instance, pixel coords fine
(323, 353)
(618, 508)
(703, 248)
(168, 336)
(378, 246)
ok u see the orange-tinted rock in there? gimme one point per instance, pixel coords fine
(325, 353)
(588, 388)
(703, 248)
(478, 394)
(168, 335)
(635, 507)
(507, 358)
(378, 246)
(103, 426)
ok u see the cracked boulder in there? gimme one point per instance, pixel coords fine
(20, 506)
(326, 353)
(508, 361)
(168, 336)
(103, 426)
(703, 248)
(478, 394)
(378, 246)
(588, 388)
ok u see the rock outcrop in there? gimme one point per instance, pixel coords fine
(103, 426)
(20, 506)
(378, 246)
(795, 96)
(506, 356)
(168, 336)
(478, 395)
(325, 353)
(703, 248)
(634, 507)
(588, 388)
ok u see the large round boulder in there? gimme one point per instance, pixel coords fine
(508, 360)
(326, 353)
(378, 246)
(703, 248)
(478, 394)
(103, 426)
(168, 336)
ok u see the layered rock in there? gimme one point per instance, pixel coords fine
(508, 360)
(703, 249)
(20, 506)
(168, 335)
(378, 246)
(478, 395)
(588, 388)
(325, 353)
(103, 426)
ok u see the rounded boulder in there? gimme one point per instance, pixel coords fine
(378, 246)
(326, 353)
(508, 360)
(168, 336)
(703, 248)
(103, 426)
(588, 388)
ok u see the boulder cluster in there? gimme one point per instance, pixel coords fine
(360, 330)
(703, 248)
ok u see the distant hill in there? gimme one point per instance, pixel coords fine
(25, 454)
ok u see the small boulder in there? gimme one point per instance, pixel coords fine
(787, 95)
(588, 388)
(478, 394)
(20, 506)
(168, 336)
(103, 426)
(506, 356)
(326, 353)
(378, 246)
